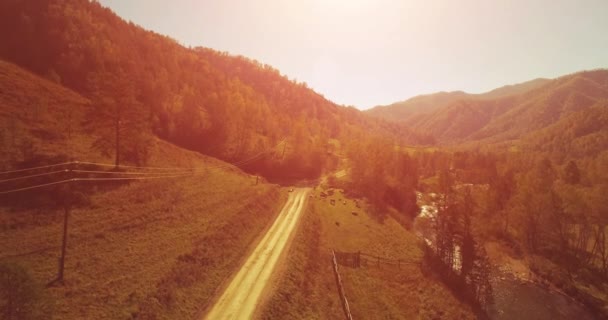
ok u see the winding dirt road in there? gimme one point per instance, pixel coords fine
(242, 295)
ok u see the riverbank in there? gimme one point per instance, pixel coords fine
(521, 293)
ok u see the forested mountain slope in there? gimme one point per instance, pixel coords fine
(413, 107)
(411, 110)
(578, 135)
(38, 118)
(545, 106)
(509, 113)
(206, 101)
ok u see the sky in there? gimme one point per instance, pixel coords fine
(373, 52)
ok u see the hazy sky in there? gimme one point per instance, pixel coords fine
(370, 52)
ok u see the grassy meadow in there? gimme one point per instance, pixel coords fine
(147, 249)
(159, 248)
(308, 290)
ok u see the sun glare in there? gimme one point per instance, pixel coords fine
(343, 5)
(245, 159)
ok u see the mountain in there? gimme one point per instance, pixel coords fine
(402, 111)
(409, 111)
(545, 106)
(578, 135)
(506, 114)
(514, 89)
(225, 106)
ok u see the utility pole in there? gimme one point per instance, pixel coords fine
(67, 206)
(70, 150)
(284, 146)
(117, 141)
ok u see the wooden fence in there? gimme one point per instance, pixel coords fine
(343, 299)
(360, 259)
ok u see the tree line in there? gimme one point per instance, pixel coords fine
(551, 211)
(144, 85)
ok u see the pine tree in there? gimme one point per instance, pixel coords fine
(118, 120)
(572, 174)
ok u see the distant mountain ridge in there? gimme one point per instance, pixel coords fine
(428, 103)
(514, 89)
(537, 115)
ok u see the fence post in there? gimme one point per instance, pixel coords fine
(341, 288)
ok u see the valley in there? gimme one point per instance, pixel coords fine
(146, 176)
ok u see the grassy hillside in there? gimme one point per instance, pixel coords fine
(308, 288)
(37, 117)
(156, 248)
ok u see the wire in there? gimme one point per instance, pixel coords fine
(35, 187)
(242, 162)
(132, 167)
(33, 176)
(176, 171)
(96, 164)
(238, 163)
(34, 168)
(160, 176)
(133, 173)
(135, 178)
(92, 179)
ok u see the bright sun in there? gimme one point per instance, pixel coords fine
(343, 5)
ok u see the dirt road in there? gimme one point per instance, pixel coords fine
(241, 297)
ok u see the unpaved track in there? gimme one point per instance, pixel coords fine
(241, 297)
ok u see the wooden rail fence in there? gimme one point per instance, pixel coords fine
(359, 259)
(343, 299)
(356, 260)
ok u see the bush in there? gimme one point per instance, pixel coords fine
(21, 297)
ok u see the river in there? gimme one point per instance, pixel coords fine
(514, 296)
(516, 299)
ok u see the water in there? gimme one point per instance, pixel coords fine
(515, 299)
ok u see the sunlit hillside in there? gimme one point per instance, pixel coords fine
(504, 114)
(217, 160)
(200, 99)
(135, 246)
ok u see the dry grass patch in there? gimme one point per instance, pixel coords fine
(159, 246)
(308, 289)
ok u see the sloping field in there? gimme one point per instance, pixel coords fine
(157, 248)
(308, 290)
(150, 247)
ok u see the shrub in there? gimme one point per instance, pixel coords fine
(21, 297)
